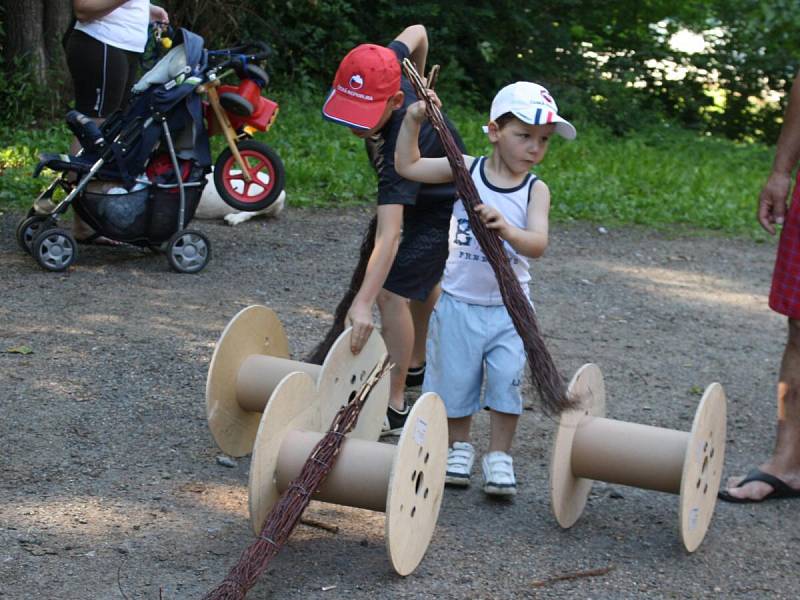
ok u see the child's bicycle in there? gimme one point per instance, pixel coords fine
(248, 174)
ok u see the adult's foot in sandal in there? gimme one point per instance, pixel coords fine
(759, 486)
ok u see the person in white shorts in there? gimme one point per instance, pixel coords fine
(471, 338)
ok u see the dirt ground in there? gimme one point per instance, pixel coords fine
(111, 487)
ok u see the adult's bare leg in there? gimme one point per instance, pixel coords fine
(397, 329)
(785, 460)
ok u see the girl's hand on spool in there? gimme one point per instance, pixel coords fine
(360, 319)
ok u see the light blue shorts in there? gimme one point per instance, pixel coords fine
(468, 345)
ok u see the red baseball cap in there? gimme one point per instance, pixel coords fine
(367, 77)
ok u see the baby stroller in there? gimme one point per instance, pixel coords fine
(139, 176)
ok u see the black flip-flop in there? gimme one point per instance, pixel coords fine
(780, 489)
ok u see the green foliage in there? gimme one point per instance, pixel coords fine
(19, 151)
(661, 177)
(23, 100)
(611, 59)
(658, 175)
(325, 163)
(756, 49)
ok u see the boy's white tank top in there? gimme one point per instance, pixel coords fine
(125, 27)
(468, 275)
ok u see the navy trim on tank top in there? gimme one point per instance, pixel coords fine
(499, 189)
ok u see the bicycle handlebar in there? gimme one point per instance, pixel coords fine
(248, 52)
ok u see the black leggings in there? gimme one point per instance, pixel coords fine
(102, 74)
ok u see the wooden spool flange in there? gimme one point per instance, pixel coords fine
(404, 481)
(250, 359)
(590, 447)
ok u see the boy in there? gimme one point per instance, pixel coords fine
(370, 96)
(470, 325)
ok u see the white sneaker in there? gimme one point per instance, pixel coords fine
(459, 463)
(498, 474)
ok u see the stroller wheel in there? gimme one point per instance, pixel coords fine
(267, 177)
(29, 228)
(55, 249)
(188, 251)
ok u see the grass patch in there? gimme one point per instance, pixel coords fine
(661, 177)
(19, 151)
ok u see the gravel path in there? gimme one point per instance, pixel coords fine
(110, 485)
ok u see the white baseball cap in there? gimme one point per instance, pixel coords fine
(532, 104)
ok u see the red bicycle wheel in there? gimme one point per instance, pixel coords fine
(266, 171)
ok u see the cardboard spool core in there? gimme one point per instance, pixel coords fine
(252, 357)
(404, 481)
(591, 447)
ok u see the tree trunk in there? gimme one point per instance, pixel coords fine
(25, 36)
(57, 18)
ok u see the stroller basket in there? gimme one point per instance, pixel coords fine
(144, 217)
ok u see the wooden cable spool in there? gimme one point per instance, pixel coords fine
(590, 447)
(405, 481)
(252, 357)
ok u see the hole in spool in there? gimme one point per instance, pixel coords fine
(705, 489)
(363, 375)
(353, 379)
(413, 510)
(705, 466)
(425, 495)
(352, 396)
(419, 483)
(414, 476)
(427, 456)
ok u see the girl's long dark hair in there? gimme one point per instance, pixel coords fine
(318, 354)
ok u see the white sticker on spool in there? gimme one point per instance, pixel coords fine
(694, 515)
(420, 429)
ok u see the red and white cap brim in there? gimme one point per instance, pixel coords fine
(353, 113)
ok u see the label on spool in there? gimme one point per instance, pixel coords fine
(694, 515)
(420, 429)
